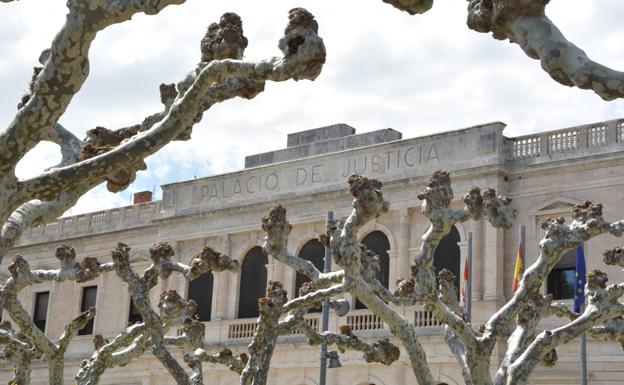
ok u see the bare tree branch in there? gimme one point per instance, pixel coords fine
(525, 23)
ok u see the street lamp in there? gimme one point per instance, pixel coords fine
(340, 306)
(334, 361)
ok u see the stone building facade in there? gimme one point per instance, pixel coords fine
(545, 174)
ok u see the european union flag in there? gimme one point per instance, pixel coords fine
(580, 277)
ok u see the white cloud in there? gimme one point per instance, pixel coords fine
(44, 155)
(100, 199)
(417, 74)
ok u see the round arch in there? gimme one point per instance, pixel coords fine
(241, 251)
(313, 251)
(447, 255)
(370, 379)
(375, 226)
(201, 290)
(463, 234)
(253, 281)
(446, 380)
(299, 241)
(377, 242)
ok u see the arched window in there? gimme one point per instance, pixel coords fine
(314, 252)
(252, 283)
(447, 255)
(378, 243)
(200, 291)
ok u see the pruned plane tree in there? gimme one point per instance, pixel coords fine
(115, 155)
(527, 345)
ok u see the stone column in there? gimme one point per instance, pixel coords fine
(493, 265)
(395, 273)
(463, 255)
(477, 260)
(279, 271)
(288, 280)
(221, 292)
(176, 281)
(234, 286)
(402, 262)
(271, 274)
(232, 303)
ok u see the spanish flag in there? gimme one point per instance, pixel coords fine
(519, 270)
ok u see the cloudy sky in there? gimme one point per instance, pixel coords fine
(417, 74)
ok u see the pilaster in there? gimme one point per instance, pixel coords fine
(221, 293)
(401, 258)
(493, 265)
(477, 260)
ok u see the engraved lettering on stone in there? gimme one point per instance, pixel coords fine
(316, 169)
(371, 164)
(375, 165)
(271, 181)
(433, 154)
(302, 176)
(249, 184)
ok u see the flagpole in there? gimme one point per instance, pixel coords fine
(325, 308)
(523, 248)
(583, 348)
(469, 288)
(583, 340)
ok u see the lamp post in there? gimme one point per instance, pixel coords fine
(340, 306)
(325, 311)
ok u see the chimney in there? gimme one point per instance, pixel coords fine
(142, 197)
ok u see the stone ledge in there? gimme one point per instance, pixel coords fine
(320, 147)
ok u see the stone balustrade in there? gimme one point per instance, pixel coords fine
(242, 330)
(570, 140)
(120, 218)
(245, 328)
(239, 332)
(425, 319)
(364, 320)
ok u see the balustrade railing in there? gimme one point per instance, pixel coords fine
(620, 131)
(425, 319)
(365, 320)
(526, 148)
(566, 140)
(597, 136)
(359, 320)
(93, 223)
(245, 329)
(241, 330)
(313, 322)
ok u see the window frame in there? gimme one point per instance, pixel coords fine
(357, 305)
(212, 295)
(240, 280)
(91, 322)
(541, 215)
(34, 309)
(304, 277)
